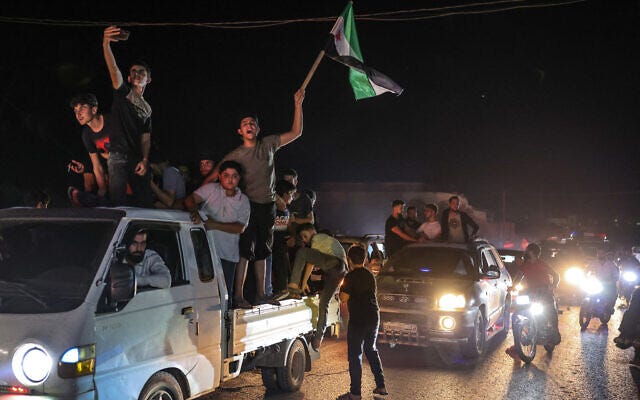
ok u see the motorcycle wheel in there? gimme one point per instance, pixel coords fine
(525, 338)
(585, 316)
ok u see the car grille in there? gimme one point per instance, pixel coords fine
(405, 301)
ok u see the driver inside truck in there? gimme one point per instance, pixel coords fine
(149, 267)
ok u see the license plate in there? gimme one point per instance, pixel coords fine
(399, 327)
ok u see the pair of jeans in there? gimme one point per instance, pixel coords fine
(281, 266)
(122, 172)
(363, 337)
(229, 270)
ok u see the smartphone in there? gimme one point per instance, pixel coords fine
(123, 35)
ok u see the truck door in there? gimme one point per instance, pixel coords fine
(207, 310)
(152, 331)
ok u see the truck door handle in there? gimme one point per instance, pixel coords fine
(187, 310)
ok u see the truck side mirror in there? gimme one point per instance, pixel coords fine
(122, 283)
(493, 272)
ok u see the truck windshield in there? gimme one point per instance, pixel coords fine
(431, 262)
(48, 266)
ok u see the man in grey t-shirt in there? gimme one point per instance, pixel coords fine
(257, 158)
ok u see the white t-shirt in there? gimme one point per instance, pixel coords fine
(222, 208)
(431, 229)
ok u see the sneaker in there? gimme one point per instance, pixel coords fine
(622, 342)
(513, 353)
(349, 396)
(281, 295)
(241, 303)
(289, 294)
(381, 391)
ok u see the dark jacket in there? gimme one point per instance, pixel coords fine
(465, 220)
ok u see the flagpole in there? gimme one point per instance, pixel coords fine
(312, 70)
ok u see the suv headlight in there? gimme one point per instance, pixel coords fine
(451, 301)
(31, 364)
(629, 276)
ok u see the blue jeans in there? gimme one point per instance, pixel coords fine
(359, 336)
(268, 285)
(122, 172)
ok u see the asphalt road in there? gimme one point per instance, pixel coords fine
(586, 365)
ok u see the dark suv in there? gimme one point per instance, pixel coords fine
(441, 294)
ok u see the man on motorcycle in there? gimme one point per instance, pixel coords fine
(540, 280)
(608, 273)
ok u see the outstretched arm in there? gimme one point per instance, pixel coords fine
(110, 35)
(296, 127)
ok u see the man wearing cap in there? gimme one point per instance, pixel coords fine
(257, 158)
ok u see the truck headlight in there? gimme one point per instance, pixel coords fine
(629, 276)
(77, 361)
(31, 364)
(574, 275)
(451, 301)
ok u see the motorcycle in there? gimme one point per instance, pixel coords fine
(531, 325)
(595, 304)
(629, 280)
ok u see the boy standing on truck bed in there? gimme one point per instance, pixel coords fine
(359, 292)
(257, 158)
(326, 253)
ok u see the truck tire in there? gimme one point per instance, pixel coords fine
(290, 376)
(269, 378)
(161, 386)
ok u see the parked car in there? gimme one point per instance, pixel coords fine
(376, 254)
(74, 324)
(442, 294)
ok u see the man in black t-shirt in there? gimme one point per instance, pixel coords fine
(359, 292)
(129, 156)
(394, 235)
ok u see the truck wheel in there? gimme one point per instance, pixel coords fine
(290, 376)
(474, 348)
(161, 386)
(269, 378)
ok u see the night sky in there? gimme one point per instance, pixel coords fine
(541, 102)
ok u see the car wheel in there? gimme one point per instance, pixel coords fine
(161, 386)
(475, 345)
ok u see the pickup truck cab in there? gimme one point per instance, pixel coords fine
(74, 324)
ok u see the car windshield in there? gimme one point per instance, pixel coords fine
(433, 262)
(48, 266)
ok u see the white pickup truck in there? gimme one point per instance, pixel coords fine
(73, 324)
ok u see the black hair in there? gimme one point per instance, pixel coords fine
(307, 226)
(248, 114)
(233, 165)
(411, 208)
(535, 249)
(283, 187)
(453, 198)
(290, 172)
(433, 207)
(141, 63)
(84, 98)
(356, 254)
(397, 203)
(206, 155)
(310, 193)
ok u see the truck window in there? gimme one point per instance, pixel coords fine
(203, 254)
(162, 238)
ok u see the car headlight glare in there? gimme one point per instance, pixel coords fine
(629, 276)
(522, 300)
(592, 286)
(574, 275)
(31, 364)
(536, 309)
(451, 301)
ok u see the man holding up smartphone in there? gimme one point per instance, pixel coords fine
(129, 154)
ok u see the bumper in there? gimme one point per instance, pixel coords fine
(425, 328)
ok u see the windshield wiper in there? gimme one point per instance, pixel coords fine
(22, 289)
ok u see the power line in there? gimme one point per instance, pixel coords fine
(387, 16)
